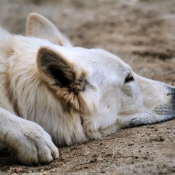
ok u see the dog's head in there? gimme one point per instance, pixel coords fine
(97, 84)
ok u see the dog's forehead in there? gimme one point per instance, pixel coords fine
(105, 60)
(102, 66)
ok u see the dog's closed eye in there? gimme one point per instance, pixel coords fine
(128, 78)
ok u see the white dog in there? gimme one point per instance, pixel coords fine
(50, 88)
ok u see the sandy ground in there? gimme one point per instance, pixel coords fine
(142, 33)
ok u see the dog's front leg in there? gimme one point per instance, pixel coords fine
(30, 142)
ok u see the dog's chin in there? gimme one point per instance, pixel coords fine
(160, 116)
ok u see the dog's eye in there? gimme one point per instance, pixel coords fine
(129, 78)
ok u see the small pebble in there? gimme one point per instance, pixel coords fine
(102, 171)
(17, 169)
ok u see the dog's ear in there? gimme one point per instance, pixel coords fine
(59, 72)
(67, 80)
(40, 27)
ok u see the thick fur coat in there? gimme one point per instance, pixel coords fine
(52, 93)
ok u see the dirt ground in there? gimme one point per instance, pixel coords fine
(142, 33)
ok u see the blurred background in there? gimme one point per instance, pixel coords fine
(141, 32)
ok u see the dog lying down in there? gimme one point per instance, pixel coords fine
(50, 90)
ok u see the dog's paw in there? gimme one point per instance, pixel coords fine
(33, 145)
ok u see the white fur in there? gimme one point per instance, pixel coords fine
(95, 102)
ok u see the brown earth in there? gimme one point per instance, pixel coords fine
(142, 33)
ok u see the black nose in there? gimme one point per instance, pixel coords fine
(171, 93)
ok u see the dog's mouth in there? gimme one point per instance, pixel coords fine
(165, 110)
(159, 114)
